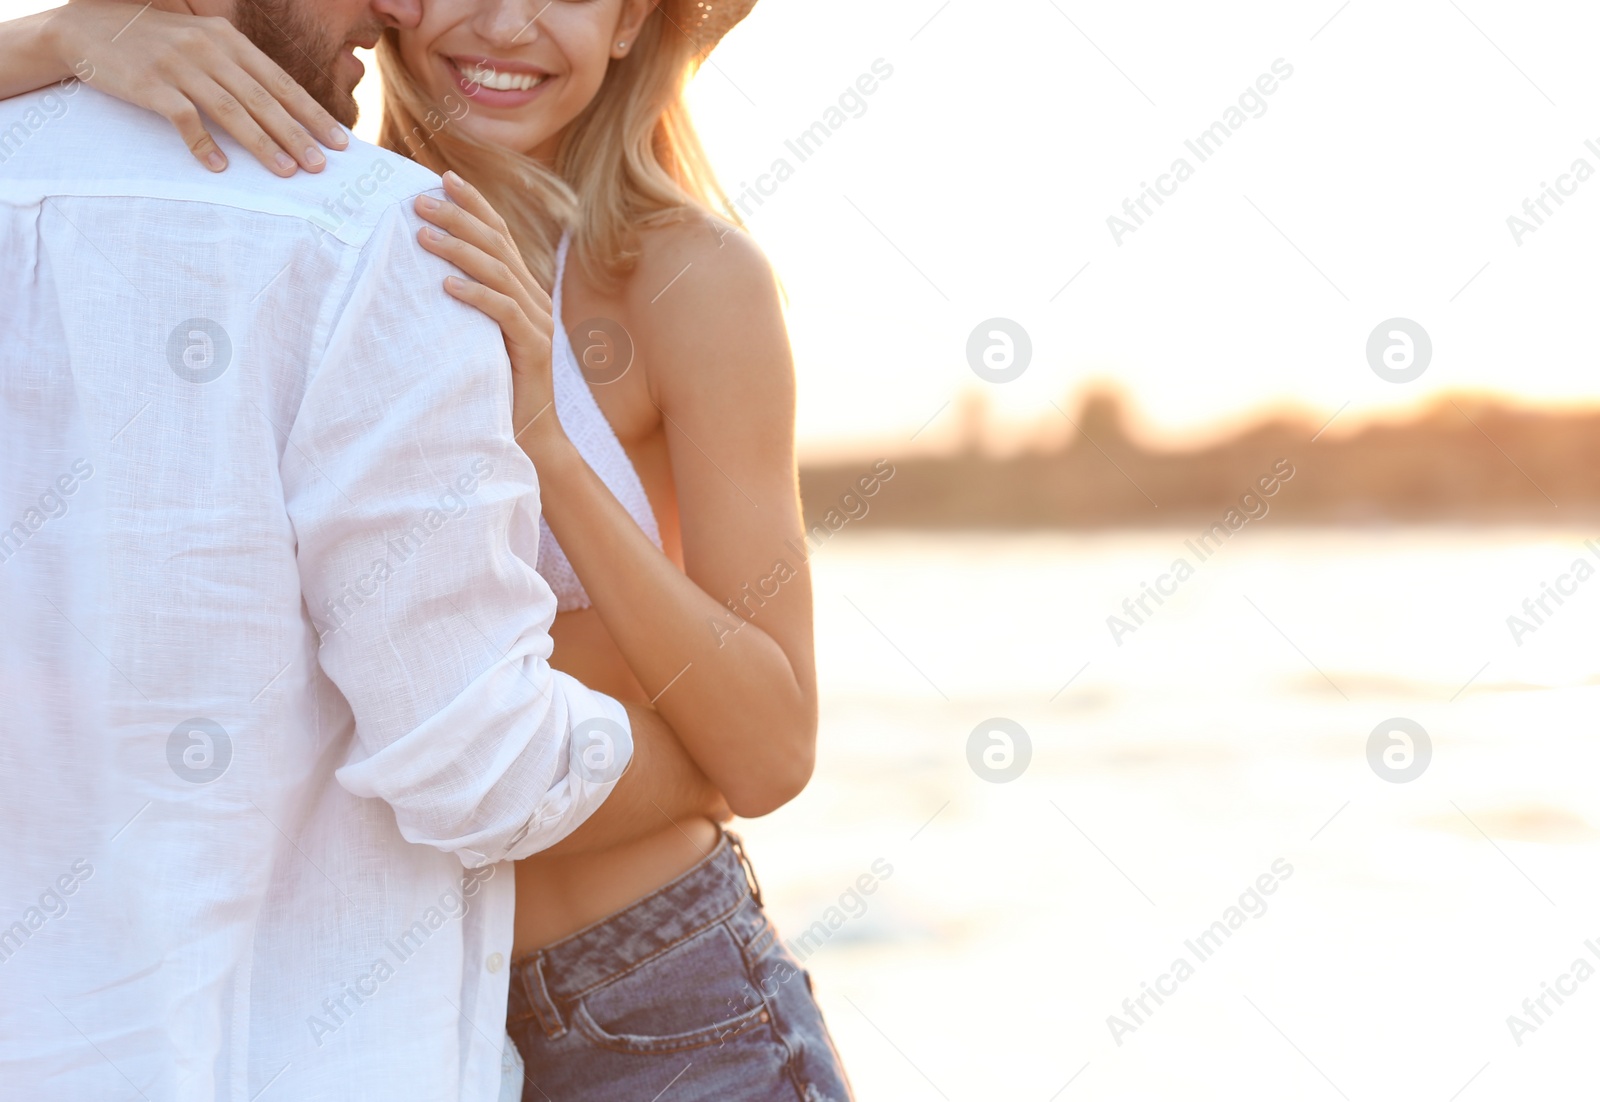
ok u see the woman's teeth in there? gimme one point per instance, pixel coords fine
(498, 81)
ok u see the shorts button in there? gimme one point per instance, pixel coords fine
(494, 962)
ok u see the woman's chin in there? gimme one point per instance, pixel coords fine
(531, 140)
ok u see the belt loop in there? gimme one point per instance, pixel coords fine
(538, 994)
(744, 862)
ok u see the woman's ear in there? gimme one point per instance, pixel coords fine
(631, 18)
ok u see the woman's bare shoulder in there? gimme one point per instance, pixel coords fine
(704, 306)
(721, 257)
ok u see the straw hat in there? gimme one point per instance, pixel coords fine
(706, 21)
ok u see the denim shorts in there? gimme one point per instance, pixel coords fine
(688, 988)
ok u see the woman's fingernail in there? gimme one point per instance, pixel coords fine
(432, 234)
(428, 202)
(216, 161)
(451, 177)
(339, 137)
(283, 162)
(314, 158)
(453, 282)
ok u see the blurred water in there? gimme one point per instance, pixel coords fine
(1227, 732)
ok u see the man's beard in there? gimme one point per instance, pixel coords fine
(285, 32)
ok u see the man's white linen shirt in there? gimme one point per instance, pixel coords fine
(275, 701)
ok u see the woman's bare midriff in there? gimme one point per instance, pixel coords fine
(559, 895)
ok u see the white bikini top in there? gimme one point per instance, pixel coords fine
(586, 426)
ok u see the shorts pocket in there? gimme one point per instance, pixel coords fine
(694, 994)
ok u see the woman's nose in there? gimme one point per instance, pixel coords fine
(510, 23)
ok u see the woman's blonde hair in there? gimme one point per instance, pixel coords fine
(630, 160)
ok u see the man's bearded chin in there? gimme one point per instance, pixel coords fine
(286, 32)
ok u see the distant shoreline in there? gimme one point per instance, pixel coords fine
(1461, 460)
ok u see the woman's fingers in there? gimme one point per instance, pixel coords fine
(180, 111)
(532, 324)
(260, 123)
(463, 224)
(459, 222)
(257, 102)
(500, 307)
(497, 293)
(203, 92)
(531, 394)
(501, 287)
(236, 76)
(295, 100)
(472, 201)
(475, 262)
(489, 228)
(282, 108)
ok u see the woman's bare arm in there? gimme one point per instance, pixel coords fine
(661, 785)
(26, 62)
(735, 628)
(738, 687)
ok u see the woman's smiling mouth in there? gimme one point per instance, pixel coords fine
(497, 83)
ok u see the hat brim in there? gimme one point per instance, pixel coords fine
(706, 21)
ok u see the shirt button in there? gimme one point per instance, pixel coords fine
(494, 962)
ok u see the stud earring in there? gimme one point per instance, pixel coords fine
(622, 45)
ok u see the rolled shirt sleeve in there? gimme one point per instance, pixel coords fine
(416, 518)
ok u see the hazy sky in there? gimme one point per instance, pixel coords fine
(1376, 184)
(976, 180)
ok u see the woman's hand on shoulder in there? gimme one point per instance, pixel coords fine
(176, 64)
(467, 231)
